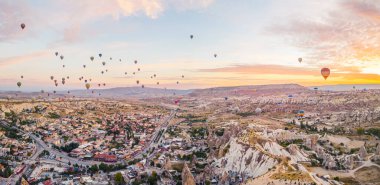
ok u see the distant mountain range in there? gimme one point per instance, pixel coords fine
(347, 87)
(138, 92)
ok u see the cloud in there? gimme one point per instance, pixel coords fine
(68, 17)
(22, 58)
(349, 34)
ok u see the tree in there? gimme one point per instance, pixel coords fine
(94, 168)
(103, 167)
(119, 179)
(360, 131)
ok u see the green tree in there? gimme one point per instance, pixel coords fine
(119, 179)
(360, 131)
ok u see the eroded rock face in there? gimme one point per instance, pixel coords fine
(187, 177)
(255, 161)
(249, 161)
(363, 152)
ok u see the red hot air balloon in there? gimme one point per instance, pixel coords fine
(325, 72)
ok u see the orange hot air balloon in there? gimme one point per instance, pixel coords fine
(325, 72)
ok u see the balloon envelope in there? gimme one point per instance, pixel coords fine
(325, 72)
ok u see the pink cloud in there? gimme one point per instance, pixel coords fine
(22, 58)
(349, 34)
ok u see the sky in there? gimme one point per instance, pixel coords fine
(256, 42)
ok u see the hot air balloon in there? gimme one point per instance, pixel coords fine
(106, 70)
(19, 84)
(133, 73)
(325, 72)
(67, 77)
(125, 73)
(42, 91)
(137, 82)
(138, 69)
(104, 63)
(154, 75)
(142, 86)
(92, 58)
(63, 66)
(102, 72)
(54, 92)
(68, 92)
(215, 55)
(119, 59)
(61, 57)
(99, 85)
(51, 77)
(85, 81)
(63, 82)
(55, 81)
(177, 82)
(258, 110)
(110, 58)
(158, 83)
(90, 79)
(63, 79)
(135, 61)
(88, 86)
(299, 60)
(191, 36)
(104, 84)
(56, 53)
(225, 98)
(183, 76)
(56, 84)
(100, 55)
(84, 66)
(22, 25)
(22, 76)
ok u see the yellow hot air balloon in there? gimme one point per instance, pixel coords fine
(88, 86)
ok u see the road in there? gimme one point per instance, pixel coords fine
(156, 135)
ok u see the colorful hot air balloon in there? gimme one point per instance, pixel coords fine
(22, 25)
(325, 72)
(19, 84)
(88, 86)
